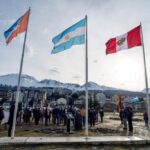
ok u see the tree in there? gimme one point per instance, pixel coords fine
(31, 102)
(74, 97)
(70, 101)
(20, 106)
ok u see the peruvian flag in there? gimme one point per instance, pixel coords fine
(125, 41)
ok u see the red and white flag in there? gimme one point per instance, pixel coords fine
(125, 41)
(120, 103)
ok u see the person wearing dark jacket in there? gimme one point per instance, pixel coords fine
(124, 118)
(129, 118)
(10, 120)
(101, 114)
(92, 117)
(37, 115)
(46, 115)
(1, 114)
(145, 117)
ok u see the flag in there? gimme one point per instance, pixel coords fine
(124, 41)
(120, 103)
(73, 35)
(18, 27)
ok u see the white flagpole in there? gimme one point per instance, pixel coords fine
(18, 86)
(86, 79)
(146, 79)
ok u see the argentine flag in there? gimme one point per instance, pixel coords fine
(73, 35)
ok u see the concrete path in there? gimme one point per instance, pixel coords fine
(116, 140)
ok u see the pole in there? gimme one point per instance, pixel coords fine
(146, 79)
(18, 86)
(86, 80)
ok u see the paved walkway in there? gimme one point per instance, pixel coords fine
(116, 140)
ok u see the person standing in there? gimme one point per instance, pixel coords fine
(37, 115)
(78, 120)
(1, 114)
(82, 113)
(46, 115)
(10, 120)
(129, 118)
(101, 114)
(92, 117)
(124, 118)
(145, 117)
(120, 108)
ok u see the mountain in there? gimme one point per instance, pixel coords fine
(144, 90)
(12, 79)
(29, 81)
(50, 83)
(57, 84)
(95, 86)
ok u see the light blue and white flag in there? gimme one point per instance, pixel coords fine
(74, 35)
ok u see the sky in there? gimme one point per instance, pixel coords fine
(106, 19)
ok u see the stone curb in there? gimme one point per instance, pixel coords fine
(105, 140)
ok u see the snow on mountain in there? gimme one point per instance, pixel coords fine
(12, 79)
(144, 90)
(28, 81)
(50, 83)
(73, 87)
(95, 86)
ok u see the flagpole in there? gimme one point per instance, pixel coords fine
(146, 79)
(18, 86)
(86, 80)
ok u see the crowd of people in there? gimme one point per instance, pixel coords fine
(58, 115)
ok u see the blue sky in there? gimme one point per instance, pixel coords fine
(106, 19)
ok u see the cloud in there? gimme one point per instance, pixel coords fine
(29, 50)
(95, 61)
(115, 71)
(102, 75)
(54, 71)
(8, 23)
(45, 31)
(76, 77)
(68, 66)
